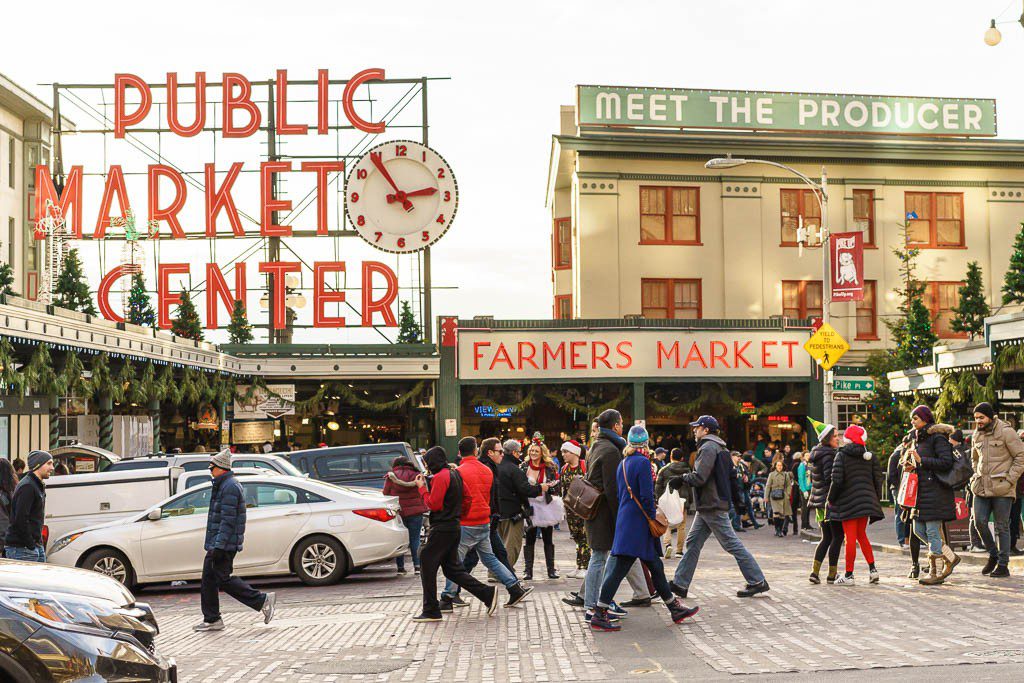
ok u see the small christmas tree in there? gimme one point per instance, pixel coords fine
(1013, 282)
(140, 309)
(239, 329)
(973, 309)
(886, 419)
(7, 280)
(408, 330)
(912, 331)
(72, 291)
(186, 321)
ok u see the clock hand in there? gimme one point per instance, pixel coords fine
(417, 193)
(399, 195)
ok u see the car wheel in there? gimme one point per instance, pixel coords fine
(110, 562)
(320, 561)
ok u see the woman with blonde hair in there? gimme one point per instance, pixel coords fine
(540, 469)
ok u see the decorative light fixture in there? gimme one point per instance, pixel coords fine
(992, 35)
(333, 426)
(305, 420)
(277, 432)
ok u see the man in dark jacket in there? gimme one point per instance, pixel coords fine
(225, 532)
(714, 485)
(513, 492)
(24, 540)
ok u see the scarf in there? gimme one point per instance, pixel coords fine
(542, 469)
(613, 437)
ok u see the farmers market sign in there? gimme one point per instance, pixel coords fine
(801, 112)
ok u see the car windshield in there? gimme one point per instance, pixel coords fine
(290, 469)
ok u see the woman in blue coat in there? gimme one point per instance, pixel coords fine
(633, 539)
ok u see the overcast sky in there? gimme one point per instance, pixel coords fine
(512, 65)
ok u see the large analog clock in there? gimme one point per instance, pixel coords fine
(401, 196)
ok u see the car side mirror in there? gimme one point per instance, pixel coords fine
(155, 515)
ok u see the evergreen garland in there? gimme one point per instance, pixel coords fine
(169, 386)
(973, 308)
(1013, 281)
(72, 289)
(73, 376)
(152, 388)
(239, 329)
(102, 377)
(349, 397)
(40, 377)
(186, 321)
(12, 380)
(140, 308)
(124, 383)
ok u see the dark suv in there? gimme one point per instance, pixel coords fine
(363, 465)
(63, 624)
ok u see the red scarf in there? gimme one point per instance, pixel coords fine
(542, 469)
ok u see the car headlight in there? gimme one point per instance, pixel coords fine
(63, 542)
(94, 616)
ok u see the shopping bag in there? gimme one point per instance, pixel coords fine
(547, 514)
(962, 511)
(907, 496)
(673, 506)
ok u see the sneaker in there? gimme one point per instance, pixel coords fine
(402, 570)
(424, 618)
(830, 580)
(416, 571)
(845, 581)
(457, 601)
(574, 600)
(873, 576)
(990, 565)
(681, 612)
(517, 593)
(492, 605)
(268, 607)
(814, 578)
(677, 589)
(753, 589)
(209, 626)
(668, 553)
(445, 604)
(589, 614)
(616, 611)
(1000, 572)
(601, 621)
(637, 602)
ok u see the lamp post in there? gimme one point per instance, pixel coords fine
(820, 190)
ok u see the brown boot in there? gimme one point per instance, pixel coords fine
(952, 560)
(933, 578)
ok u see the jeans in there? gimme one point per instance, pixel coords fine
(930, 533)
(750, 508)
(442, 551)
(479, 538)
(414, 524)
(619, 566)
(635, 577)
(999, 508)
(497, 547)
(217, 568)
(704, 525)
(37, 554)
(1015, 522)
(902, 532)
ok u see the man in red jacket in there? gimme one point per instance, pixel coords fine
(475, 520)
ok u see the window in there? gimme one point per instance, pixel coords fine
(198, 480)
(796, 204)
(671, 299)
(867, 316)
(11, 223)
(10, 161)
(562, 248)
(801, 299)
(940, 219)
(851, 413)
(338, 465)
(258, 464)
(669, 215)
(265, 495)
(941, 298)
(380, 463)
(864, 215)
(197, 502)
(563, 307)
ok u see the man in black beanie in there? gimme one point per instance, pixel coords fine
(998, 458)
(24, 540)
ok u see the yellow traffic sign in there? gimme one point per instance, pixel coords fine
(826, 346)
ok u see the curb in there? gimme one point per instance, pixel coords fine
(978, 559)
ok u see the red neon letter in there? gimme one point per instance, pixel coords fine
(172, 106)
(720, 354)
(764, 354)
(278, 270)
(382, 305)
(574, 356)
(322, 168)
(122, 119)
(524, 359)
(350, 91)
(322, 101)
(694, 356)
(321, 296)
(623, 348)
(281, 104)
(738, 351)
(268, 228)
(671, 354)
(501, 355)
(113, 186)
(170, 214)
(221, 199)
(476, 353)
(603, 357)
(790, 345)
(165, 299)
(243, 100)
(217, 287)
(103, 294)
(69, 203)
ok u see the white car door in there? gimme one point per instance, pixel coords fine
(173, 546)
(274, 516)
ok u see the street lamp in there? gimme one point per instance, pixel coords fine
(820, 190)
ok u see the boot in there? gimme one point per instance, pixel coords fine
(990, 565)
(601, 621)
(933, 578)
(528, 563)
(681, 612)
(952, 560)
(833, 572)
(516, 594)
(815, 568)
(552, 574)
(915, 571)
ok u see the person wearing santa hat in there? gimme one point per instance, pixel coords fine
(856, 491)
(575, 466)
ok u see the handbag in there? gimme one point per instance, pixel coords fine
(657, 526)
(582, 499)
(907, 495)
(957, 476)
(778, 494)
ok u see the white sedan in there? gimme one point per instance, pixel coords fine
(294, 525)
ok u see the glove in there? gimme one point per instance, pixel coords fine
(676, 483)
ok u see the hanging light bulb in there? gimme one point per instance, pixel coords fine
(992, 35)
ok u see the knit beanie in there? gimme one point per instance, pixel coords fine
(986, 409)
(37, 459)
(924, 412)
(637, 436)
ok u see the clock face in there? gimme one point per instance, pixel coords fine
(401, 196)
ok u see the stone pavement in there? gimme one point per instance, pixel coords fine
(360, 630)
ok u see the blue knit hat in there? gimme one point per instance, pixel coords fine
(637, 436)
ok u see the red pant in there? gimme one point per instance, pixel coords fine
(856, 531)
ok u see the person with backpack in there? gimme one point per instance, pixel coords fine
(997, 455)
(714, 485)
(857, 492)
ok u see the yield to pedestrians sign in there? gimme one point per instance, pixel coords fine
(826, 346)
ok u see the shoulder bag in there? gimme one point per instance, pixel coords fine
(657, 526)
(582, 499)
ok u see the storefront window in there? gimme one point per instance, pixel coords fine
(850, 413)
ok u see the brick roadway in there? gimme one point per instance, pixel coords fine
(360, 629)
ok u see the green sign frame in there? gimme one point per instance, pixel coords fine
(636, 107)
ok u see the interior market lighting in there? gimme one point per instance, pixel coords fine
(333, 426)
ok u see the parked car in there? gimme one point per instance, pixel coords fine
(363, 465)
(60, 624)
(192, 462)
(83, 459)
(294, 525)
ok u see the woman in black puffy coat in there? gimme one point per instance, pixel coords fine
(857, 491)
(930, 453)
(820, 468)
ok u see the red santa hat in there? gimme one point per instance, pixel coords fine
(572, 447)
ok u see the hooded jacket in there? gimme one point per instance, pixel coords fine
(856, 485)
(997, 454)
(713, 477)
(934, 499)
(409, 499)
(820, 469)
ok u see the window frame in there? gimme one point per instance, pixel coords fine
(670, 284)
(874, 313)
(869, 236)
(557, 264)
(933, 230)
(12, 152)
(932, 295)
(802, 193)
(669, 234)
(559, 298)
(801, 296)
